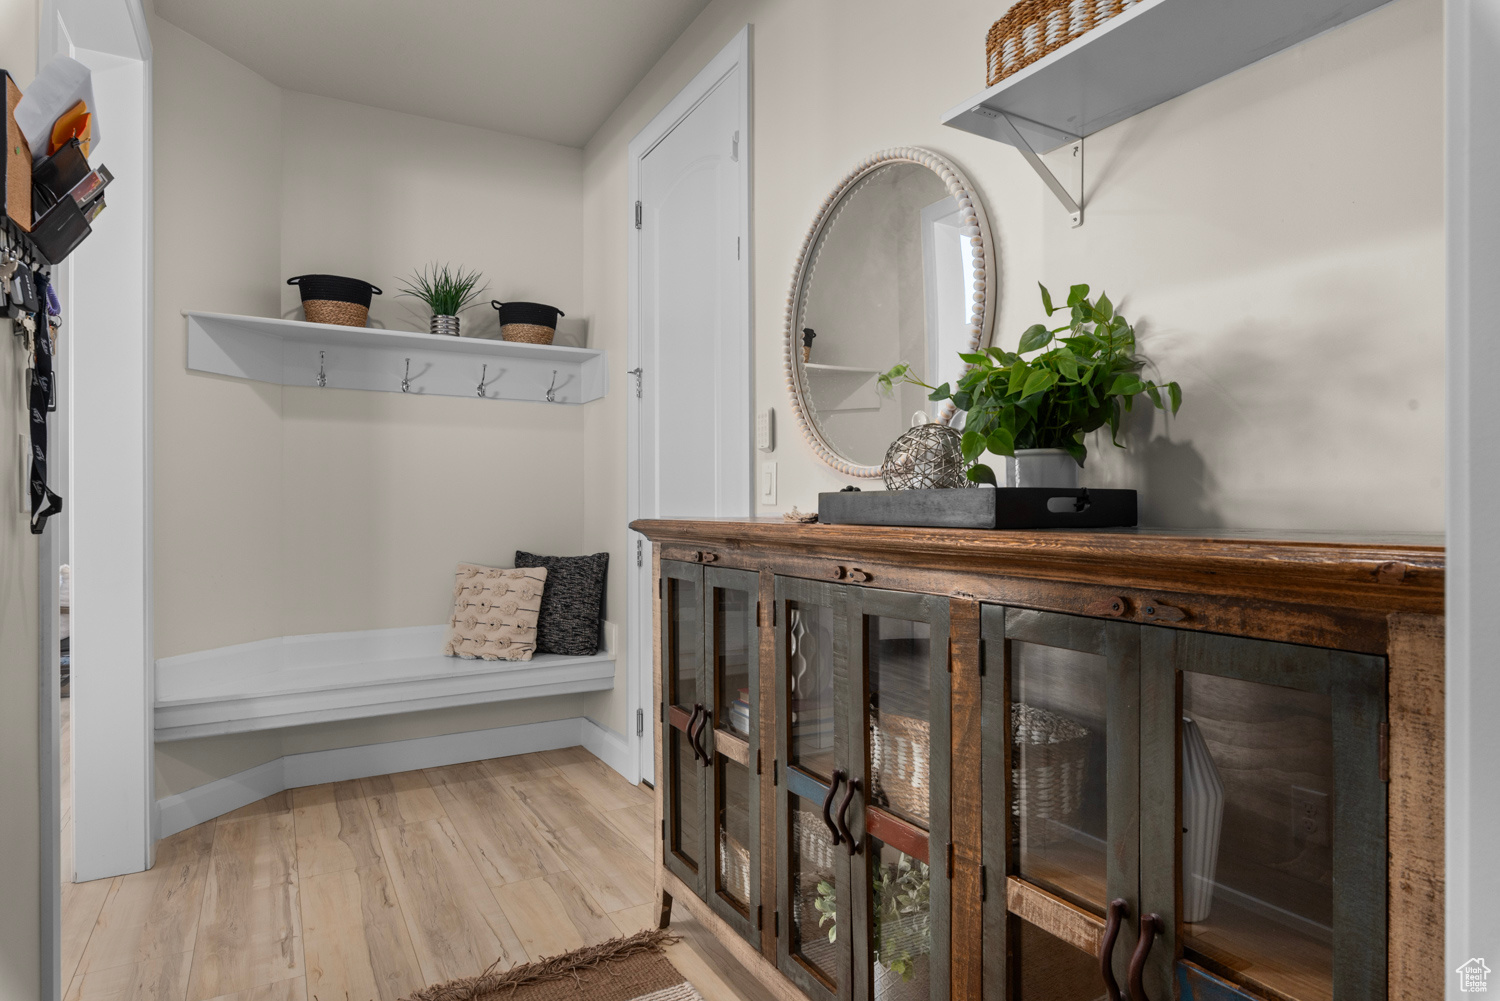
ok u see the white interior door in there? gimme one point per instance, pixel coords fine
(691, 420)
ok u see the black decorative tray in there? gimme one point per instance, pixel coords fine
(981, 507)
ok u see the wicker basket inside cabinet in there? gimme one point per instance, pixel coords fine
(1048, 778)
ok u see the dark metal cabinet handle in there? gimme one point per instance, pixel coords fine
(1119, 910)
(1149, 925)
(849, 792)
(833, 788)
(704, 727)
(692, 722)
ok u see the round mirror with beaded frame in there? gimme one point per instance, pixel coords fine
(970, 331)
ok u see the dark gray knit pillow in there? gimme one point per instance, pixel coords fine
(572, 602)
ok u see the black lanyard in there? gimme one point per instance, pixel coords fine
(44, 503)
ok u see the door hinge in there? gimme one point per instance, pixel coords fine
(640, 722)
(950, 860)
(664, 830)
(757, 762)
(640, 552)
(777, 922)
(637, 215)
(1384, 742)
(661, 587)
(760, 921)
(757, 615)
(981, 656)
(984, 888)
(774, 763)
(736, 248)
(734, 147)
(638, 372)
(950, 654)
(663, 714)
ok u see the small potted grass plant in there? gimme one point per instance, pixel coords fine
(447, 291)
(1079, 377)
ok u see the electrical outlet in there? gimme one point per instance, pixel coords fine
(768, 483)
(1310, 816)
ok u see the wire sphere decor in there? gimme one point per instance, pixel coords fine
(927, 457)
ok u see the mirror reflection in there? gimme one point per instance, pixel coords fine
(890, 278)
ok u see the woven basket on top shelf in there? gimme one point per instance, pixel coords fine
(1033, 28)
(1049, 776)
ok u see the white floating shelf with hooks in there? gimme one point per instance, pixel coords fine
(295, 353)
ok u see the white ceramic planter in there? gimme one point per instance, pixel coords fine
(1041, 467)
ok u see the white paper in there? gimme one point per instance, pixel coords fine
(62, 83)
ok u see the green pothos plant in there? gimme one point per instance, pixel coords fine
(902, 913)
(1086, 375)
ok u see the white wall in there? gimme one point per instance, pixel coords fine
(20, 804)
(1282, 252)
(285, 510)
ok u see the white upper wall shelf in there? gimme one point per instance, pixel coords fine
(286, 352)
(1149, 53)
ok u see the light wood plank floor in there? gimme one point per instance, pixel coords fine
(375, 888)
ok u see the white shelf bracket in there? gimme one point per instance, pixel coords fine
(1072, 200)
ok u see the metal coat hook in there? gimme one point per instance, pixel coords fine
(483, 371)
(552, 389)
(406, 379)
(322, 376)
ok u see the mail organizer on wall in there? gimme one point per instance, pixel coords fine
(946, 763)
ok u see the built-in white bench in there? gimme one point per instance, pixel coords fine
(294, 680)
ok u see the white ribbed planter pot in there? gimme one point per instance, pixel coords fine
(1041, 467)
(1202, 822)
(891, 986)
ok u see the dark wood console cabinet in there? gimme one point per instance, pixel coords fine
(940, 764)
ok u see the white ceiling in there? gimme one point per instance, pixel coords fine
(547, 69)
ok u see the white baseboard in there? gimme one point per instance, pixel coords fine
(214, 799)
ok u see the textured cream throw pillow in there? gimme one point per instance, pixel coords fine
(494, 613)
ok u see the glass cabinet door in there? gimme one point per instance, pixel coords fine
(899, 754)
(1061, 727)
(732, 658)
(1263, 818)
(684, 692)
(813, 888)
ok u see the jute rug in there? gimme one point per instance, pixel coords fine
(623, 969)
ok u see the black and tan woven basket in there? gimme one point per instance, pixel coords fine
(335, 299)
(1033, 28)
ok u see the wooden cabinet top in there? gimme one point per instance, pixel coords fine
(1364, 576)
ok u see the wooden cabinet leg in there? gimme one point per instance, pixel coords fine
(664, 914)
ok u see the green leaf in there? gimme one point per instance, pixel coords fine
(1018, 373)
(980, 473)
(941, 393)
(1038, 381)
(1067, 364)
(972, 359)
(963, 400)
(1175, 392)
(1077, 294)
(1036, 336)
(1154, 393)
(1104, 309)
(1077, 449)
(1125, 385)
(1001, 442)
(972, 444)
(1046, 299)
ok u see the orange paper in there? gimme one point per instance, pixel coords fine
(71, 124)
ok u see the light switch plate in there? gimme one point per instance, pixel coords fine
(765, 430)
(768, 483)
